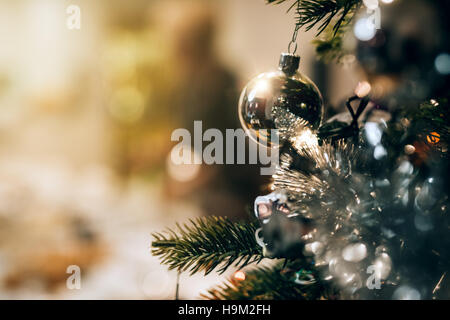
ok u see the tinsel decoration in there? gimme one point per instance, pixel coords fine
(378, 205)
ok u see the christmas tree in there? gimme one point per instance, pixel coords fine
(359, 207)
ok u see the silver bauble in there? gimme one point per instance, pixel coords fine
(285, 100)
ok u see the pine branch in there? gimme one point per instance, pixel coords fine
(206, 244)
(267, 283)
(321, 13)
(329, 46)
(432, 121)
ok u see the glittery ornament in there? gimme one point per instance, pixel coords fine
(282, 227)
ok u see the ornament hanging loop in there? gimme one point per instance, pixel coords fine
(294, 35)
(293, 43)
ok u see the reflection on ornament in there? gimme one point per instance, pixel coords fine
(266, 205)
(283, 230)
(284, 100)
(433, 137)
(264, 211)
(259, 239)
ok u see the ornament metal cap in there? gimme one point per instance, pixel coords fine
(289, 63)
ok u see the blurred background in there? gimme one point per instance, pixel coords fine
(85, 123)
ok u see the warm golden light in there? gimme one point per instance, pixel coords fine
(433, 137)
(306, 138)
(239, 275)
(260, 88)
(409, 149)
(362, 89)
(183, 172)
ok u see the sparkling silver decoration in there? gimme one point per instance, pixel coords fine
(275, 213)
(285, 100)
(378, 228)
(354, 252)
